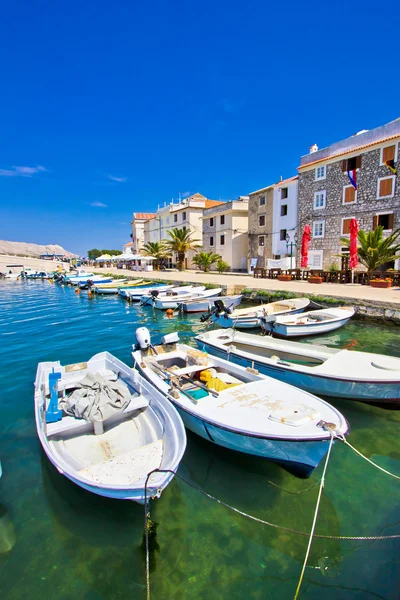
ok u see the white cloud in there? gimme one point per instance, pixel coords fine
(98, 204)
(117, 179)
(21, 171)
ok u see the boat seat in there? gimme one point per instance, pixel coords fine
(68, 424)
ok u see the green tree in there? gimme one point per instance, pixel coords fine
(204, 260)
(112, 252)
(374, 250)
(94, 253)
(222, 266)
(181, 241)
(157, 249)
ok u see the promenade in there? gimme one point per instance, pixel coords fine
(337, 290)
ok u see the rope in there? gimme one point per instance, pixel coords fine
(343, 439)
(321, 487)
(146, 533)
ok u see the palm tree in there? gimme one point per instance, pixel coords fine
(181, 242)
(204, 260)
(374, 250)
(157, 249)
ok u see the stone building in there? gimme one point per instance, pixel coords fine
(225, 232)
(328, 198)
(261, 204)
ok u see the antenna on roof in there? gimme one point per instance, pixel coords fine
(281, 178)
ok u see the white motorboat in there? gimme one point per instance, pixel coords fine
(172, 301)
(116, 285)
(96, 279)
(258, 316)
(135, 294)
(238, 408)
(310, 323)
(317, 369)
(129, 428)
(148, 297)
(207, 305)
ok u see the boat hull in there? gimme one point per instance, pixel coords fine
(283, 330)
(208, 305)
(299, 456)
(365, 391)
(227, 322)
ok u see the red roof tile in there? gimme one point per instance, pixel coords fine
(146, 216)
(211, 203)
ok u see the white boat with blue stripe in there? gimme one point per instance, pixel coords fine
(310, 323)
(334, 372)
(106, 428)
(257, 316)
(238, 408)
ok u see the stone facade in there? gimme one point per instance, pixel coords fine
(260, 236)
(367, 208)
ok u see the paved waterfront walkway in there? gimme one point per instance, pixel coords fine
(351, 291)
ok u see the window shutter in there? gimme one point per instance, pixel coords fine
(346, 226)
(388, 153)
(349, 194)
(385, 187)
(358, 162)
(391, 221)
(374, 222)
(344, 165)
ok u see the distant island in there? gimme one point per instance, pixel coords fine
(32, 250)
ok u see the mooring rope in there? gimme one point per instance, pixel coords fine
(321, 487)
(310, 535)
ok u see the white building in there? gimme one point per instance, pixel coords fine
(285, 219)
(225, 232)
(138, 222)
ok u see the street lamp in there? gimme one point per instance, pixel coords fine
(290, 244)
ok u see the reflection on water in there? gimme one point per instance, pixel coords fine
(58, 541)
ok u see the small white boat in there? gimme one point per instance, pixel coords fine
(115, 286)
(148, 297)
(173, 301)
(139, 431)
(207, 305)
(96, 279)
(317, 369)
(134, 295)
(239, 408)
(311, 323)
(250, 318)
(77, 276)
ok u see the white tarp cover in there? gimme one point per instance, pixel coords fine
(96, 398)
(282, 263)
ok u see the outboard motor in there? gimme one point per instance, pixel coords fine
(143, 338)
(154, 293)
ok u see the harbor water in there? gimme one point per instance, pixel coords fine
(59, 542)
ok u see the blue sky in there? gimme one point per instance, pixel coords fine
(110, 108)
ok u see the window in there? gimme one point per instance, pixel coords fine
(211, 240)
(183, 216)
(261, 220)
(386, 187)
(318, 229)
(212, 222)
(319, 199)
(276, 256)
(284, 193)
(351, 163)
(282, 235)
(346, 225)
(262, 200)
(222, 240)
(315, 259)
(385, 220)
(389, 153)
(175, 218)
(283, 210)
(320, 172)
(261, 240)
(349, 194)
(222, 219)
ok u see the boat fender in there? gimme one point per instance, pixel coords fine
(143, 338)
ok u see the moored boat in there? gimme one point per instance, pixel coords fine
(115, 286)
(238, 408)
(148, 297)
(173, 300)
(134, 295)
(129, 428)
(310, 323)
(207, 305)
(320, 370)
(258, 316)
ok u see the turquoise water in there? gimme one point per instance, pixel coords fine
(60, 542)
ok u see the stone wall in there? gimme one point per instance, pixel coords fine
(255, 211)
(364, 209)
